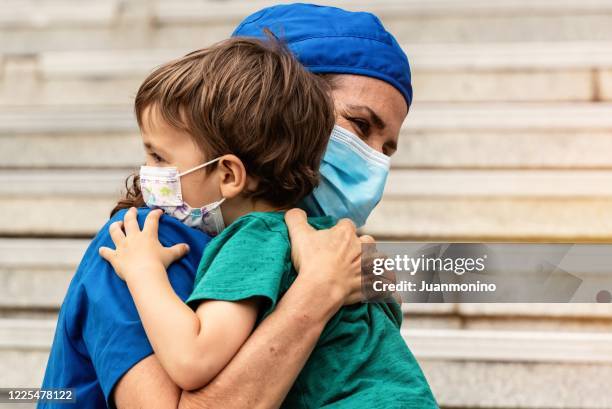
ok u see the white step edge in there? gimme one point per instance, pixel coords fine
(500, 116)
(423, 57)
(26, 334)
(549, 56)
(41, 14)
(499, 183)
(206, 11)
(422, 117)
(401, 184)
(49, 253)
(511, 346)
(438, 344)
(52, 120)
(63, 183)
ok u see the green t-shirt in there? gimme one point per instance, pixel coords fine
(360, 361)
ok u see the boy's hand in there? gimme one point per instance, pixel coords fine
(139, 252)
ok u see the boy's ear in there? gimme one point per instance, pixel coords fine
(232, 176)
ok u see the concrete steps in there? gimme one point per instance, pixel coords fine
(35, 274)
(33, 26)
(514, 72)
(509, 369)
(436, 136)
(504, 385)
(510, 140)
(551, 205)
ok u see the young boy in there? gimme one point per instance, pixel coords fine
(234, 135)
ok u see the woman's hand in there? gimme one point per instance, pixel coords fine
(330, 258)
(139, 252)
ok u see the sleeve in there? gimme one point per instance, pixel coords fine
(111, 329)
(253, 262)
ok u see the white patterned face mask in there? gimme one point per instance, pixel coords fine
(161, 189)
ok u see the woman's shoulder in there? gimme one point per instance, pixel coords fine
(170, 232)
(170, 229)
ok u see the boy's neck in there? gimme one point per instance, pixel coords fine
(235, 208)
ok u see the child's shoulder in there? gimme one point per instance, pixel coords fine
(271, 221)
(260, 227)
(254, 229)
(275, 221)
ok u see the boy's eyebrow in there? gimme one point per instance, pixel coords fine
(152, 147)
(373, 116)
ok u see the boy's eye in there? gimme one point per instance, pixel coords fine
(156, 157)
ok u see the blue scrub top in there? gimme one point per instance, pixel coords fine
(99, 336)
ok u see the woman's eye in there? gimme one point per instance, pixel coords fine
(362, 125)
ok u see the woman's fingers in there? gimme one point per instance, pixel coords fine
(356, 294)
(116, 233)
(151, 223)
(346, 224)
(300, 235)
(130, 223)
(367, 239)
(297, 224)
(347, 242)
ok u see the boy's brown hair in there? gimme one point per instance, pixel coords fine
(250, 98)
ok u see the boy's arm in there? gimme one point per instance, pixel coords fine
(267, 365)
(265, 368)
(192, 347)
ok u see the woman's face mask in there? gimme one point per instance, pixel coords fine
(353, 177)
(161, 189)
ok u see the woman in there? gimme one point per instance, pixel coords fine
(100, 347)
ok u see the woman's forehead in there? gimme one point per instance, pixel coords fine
(379, 96)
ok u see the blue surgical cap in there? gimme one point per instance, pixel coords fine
(329, 40)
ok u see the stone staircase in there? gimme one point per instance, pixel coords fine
(509, 139)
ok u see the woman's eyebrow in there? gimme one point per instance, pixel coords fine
(373, 116)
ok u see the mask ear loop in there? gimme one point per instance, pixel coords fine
(199, 167)
(217, 203)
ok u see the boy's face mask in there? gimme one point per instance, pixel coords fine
(161, 189)
(353, 177)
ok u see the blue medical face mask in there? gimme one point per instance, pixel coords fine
(353, 177)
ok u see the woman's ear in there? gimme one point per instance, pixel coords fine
(232, 176)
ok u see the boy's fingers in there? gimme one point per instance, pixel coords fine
(152, 222)
(106, 253)
(116, 233)
(178, 251)
(130, 222)
(297, 224)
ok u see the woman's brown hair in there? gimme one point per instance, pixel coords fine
(250, 98)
